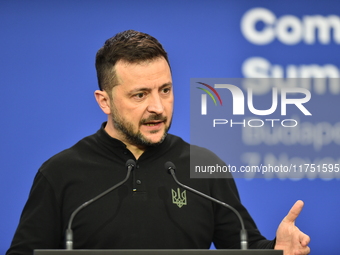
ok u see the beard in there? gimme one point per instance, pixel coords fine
(137, 138)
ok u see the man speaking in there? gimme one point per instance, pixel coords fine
(148, 210)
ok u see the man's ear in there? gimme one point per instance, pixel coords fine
(103, 101)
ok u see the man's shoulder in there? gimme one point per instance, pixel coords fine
(176, 140)
(70, 156)
(196, 152)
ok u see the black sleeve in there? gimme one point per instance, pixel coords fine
(39, 225)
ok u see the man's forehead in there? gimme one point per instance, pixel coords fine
(123, 63)
(126, 71)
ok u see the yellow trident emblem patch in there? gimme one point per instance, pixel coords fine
(179, 198)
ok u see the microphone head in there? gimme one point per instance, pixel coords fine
(169, 165)
(130, 163)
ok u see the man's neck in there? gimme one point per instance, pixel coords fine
(137, 151)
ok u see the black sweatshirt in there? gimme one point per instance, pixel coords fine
(149, 211)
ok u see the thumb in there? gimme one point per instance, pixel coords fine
(294, 211)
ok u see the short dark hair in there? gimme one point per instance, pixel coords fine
(130, 46)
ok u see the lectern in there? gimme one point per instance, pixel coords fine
(158, 252)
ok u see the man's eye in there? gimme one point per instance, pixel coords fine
(166, 90)
(140, 95)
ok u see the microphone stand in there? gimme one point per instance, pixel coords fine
(243, 234)
(130, 164)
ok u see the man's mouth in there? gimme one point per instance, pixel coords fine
(150, 124)
(154, 121)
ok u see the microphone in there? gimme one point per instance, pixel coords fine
(130, 165)
(243, 234)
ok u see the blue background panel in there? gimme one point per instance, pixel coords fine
(48, 79)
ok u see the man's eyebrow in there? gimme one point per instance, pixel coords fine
(166, 85)
(148, 89)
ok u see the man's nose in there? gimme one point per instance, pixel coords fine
(155, 104)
